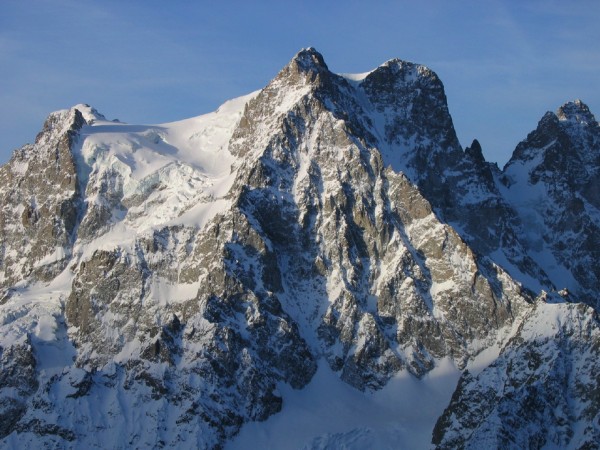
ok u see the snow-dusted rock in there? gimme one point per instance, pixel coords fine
(541, 391)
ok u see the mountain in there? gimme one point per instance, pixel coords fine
(552, 181)
(318, 249)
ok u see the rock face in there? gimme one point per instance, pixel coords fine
(41, 201)
(163, 283)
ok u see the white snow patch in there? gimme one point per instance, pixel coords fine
(355, 76)
(436, 288)
(57, 255)
(386, 419)
(202, 213)
(165, 292)
(36, 311)
(203, 141)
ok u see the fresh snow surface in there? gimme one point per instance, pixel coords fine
(328, 413)
(355, 76)
(163, 291)
(171, 174)
(36, 311)
(200, 142)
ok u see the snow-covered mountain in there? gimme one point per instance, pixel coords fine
(318, 264)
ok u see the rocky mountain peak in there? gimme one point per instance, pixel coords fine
(561, 157)
(60, 122)
(307, 67)
(572, 133)
(397, 71)
(413, 100)
(545, 132)
(475, 152)
(304, 86)
(66, 123)
(89, 113)
(396, 76)
(576, 112)
(309, 59)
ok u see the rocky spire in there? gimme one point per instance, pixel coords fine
(475, 152)
(576, 111)
(309, 59)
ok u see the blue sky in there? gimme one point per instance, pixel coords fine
(503, 63)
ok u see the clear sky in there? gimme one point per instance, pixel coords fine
(503, 63)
